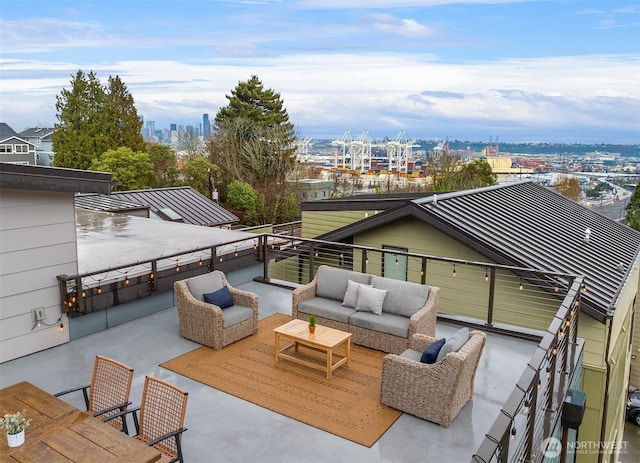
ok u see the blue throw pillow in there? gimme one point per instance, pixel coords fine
(222, 298)
(430, 354)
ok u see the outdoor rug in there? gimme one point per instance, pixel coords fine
(348, 405)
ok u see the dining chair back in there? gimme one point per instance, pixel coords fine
(162, 413)
(108, 392)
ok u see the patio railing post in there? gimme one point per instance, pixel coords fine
(492, 292)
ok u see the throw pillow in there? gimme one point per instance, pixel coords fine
(222, 298)
(351, 295)
(454, 343)
(430, 354)
(370, 299)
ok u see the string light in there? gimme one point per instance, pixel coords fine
(556, 289)
(527, 406)
(486, 274)
(200, 262)
(397, 260)
(126, 278)
(235, 252)
(454, 270)
(220, 259)
(61, 327)
(151, 276)
(513, 433)
(521, 287)
(549, 372)
(315, 254)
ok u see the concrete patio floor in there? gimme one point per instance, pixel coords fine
(223, 428)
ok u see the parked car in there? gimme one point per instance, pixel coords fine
(633, 406)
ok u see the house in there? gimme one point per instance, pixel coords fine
(15, 149)
(524, 225)
(41, 138)
(176, 204)
(38, 237)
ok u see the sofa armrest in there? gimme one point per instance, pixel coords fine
(424, 320)
(420, 342)
(303, 293)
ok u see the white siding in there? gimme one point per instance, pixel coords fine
(37, 243)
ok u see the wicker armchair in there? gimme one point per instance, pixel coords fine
(161, 421)
(208, 324)
(435, 392)
(108, 392)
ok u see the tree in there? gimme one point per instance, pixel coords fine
(123, 124)
(165, 165)
(92, 119)
(569, 187)
(475, 174)
(79, 138)
(130, 171)
(253, 142)
(195, 173)
(633, 209)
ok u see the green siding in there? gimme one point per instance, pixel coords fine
(316, 223)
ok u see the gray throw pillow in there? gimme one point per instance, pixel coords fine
(351, 295)
(370, 300)
(454, 343)
(205, 283)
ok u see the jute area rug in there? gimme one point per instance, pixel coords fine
(348, 405)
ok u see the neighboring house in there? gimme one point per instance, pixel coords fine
(41, 138)
(522, 225)
(37, 243)
(14, 149)
(177, 204)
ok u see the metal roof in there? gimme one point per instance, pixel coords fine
(528, 225)
(192, 206)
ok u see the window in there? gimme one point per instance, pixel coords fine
(6, 148)
(21, 148)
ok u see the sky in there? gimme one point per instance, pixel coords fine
(565, 71)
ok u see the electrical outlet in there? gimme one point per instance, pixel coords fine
(38, 314)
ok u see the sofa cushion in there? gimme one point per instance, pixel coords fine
(222, 298)
(395, 325)
(236, 314)
(411, 355)
(351, 295)
(205, 283)
(430, 354)
(370, 299)
(326, 308)
(454, 343)
(332, 282)
(403, 297)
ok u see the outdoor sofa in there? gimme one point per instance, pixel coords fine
(338, 299)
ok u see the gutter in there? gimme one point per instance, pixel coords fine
(605, 404)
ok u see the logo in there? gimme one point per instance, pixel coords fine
(552, 447)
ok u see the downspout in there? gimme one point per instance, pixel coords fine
(605, 407)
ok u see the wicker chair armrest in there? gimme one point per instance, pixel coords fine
(303, 293)
(85, 393)
(244, 298)
(442, 375)
(122, 407)
(421, 341)
(424, 320)
(123, 414)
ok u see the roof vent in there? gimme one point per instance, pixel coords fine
(435, 200)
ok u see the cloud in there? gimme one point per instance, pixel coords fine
(406, 27)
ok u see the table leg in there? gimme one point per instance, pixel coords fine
(348, 350)
(277, 347)
(329, 362)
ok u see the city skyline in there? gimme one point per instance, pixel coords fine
(523, 71)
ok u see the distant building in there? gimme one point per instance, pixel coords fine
(206, 126)
(14, 149)
(41, 137)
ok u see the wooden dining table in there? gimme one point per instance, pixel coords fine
(59, 432)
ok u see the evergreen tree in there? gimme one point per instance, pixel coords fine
(92, 119)
(165, 165)
(79, 138)
(123, 124)
(633, 209)
(254, 143)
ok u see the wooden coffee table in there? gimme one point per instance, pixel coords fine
(324, 340)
